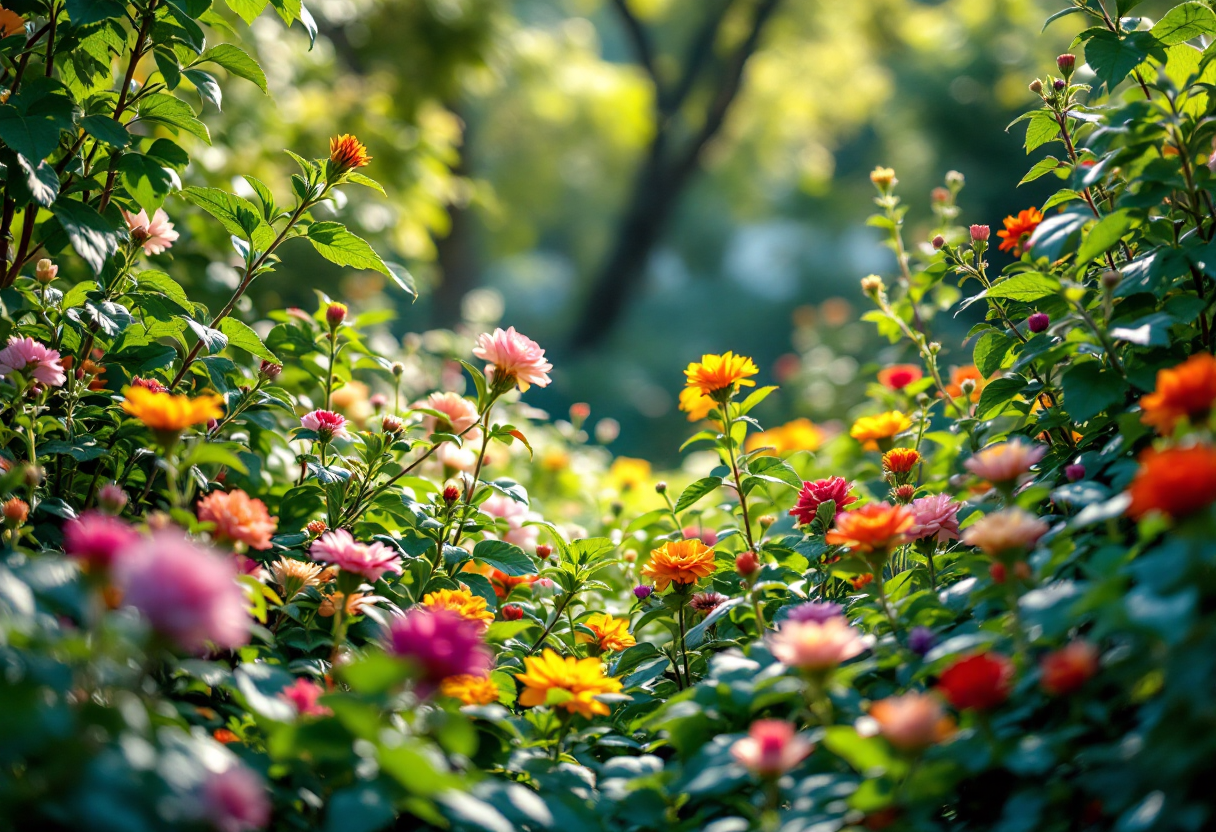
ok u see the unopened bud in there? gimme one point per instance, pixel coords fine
(630, 557)
(967, 386)
(1074, 472)
(1036, 86)
(543, 551)
(391, 424)
(642, 592)
(1066, 63)
(270, 370)
(111, 499)
(903, 494)
(316, 528)
(954, 179)
(883, 178)
(512, 612)
(980, 233)
(616, 507)
(766, 520)
(378, 401)
(935, 347)
(335, 314)
(398, 369)
(660, 487)
(579, 411)
(998, 572)
(938, 242)
(45, 271)
(1038, 322)
(1111, 279)
(1058, 84)
(939, 195)
(451, 494)
(16, 511)
(872, 285)
(747, 564)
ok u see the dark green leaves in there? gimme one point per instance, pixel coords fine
(337, 245)
(83, 12)
(696, 491)
(235, 60)
(239, 216)
(33, 136)
(174, 113)
(998, 393)
(990, 351)
(107, 130)
(1089, 389)
(146, 180)
(1104, 235)
(1112, 57)
(94, 239)
(505, 557)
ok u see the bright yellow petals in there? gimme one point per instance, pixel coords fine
(460, 601)
(611, 634)
(695, 404)
(627, 473)
(167, 413)
(569, 683)
(720, 372)
(798, 435)
(871, 431)
(470, 690)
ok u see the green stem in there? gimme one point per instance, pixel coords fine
(481, 456)
(683, 647)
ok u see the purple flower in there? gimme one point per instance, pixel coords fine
(235, 800)
(440, 643)
(1074, 472)
(1038, 322)
(817, 611)
(642, 591)
(98, 539)
(921, 640)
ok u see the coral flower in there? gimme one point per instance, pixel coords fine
(1003, 532)
(155, 235)
(168, 415)
(681, 561)
(326, 424)
(440, 643)
(456, 415)
(235, 800)
(512, 355)
(627, 473)
(696, 404)
(899, 376)
(900, 460)
(98, 539)
(1016, 235)
(798, 435)
(959, 375)
(238, 518)
(706, 602)
(1006, 462)
(460, 601)
(611, 634)
(912, 722)
(303, 694)
(347, 153)
(518, 516)
(294, 575)
(1067, 669)
(11, 23)
(936, 517)
(876, 528)
(816, 646)
(1183, 392)
(469, 689)
(814, 494)
(979, 682)
(27, 356)
(575, 683)
(716, 373)
(874, 432)
(368, 560)
(771, 748)
(1175, 481)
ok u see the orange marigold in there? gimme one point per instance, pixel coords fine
(346, 153)
(460, 601)
(960, 374)
(695, 404)
(611, 634)
(798, 435)
(238, 518)
(566, 682)
(876, 528)
(873, 431)
(1175, 481)
(470, 690)
(1018, 229)
(900, 460)
(681, 561)
(1183, 392)
(11, 23)
(169, 414)
(720, 372)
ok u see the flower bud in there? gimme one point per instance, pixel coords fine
(579, 411)
(642, 591)
(398, 369)
(954, 179)
(766, 520)
(872, 285)
(607, 430)
(1074, 472)
(1058, 84)
(391, 424)
(997, 571)
(903, 494)
(939, 195)
(1038, 322)
(1111, 279)
(1036, 86)
(935, 347)
(967, 386)
(630, 557)
(980, 233)
(938, 242)
(45, 271)
(316, 528)
(16, 512)
(1066, 63)
(883, 178)
(270, 370)
(512, 612)
(451, 494)
(335, 314)
(921, 640)
(747, 564)
(543, 551)
(660, 487)
(378, 401)
(1066, 670)
(111, 499)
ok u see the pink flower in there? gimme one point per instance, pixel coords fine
(369, 560)
(326, 424)
(303, 694)
(707, 536)
(1005, 531)
(815, 493)
(186, 592)
(516, 514)
(25, 355)
(98, 539)
(912, 722)
(936, 516)
(440, 644)
(458, 414)
(771, 748)
(156, 235)
(1005, 462)
(235, 800)
(238, 518)
(816, 645)
(513, 355)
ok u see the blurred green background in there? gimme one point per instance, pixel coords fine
(635, 182)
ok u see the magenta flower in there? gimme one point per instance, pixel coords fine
(98, 539)
(936, 516)
(25, 355)
(303, 695)
(815, 493)
(155, 235)
(235, 800)
(1005, 462)
(707, 536)
(326, 424)
(343, 551)
(440, 643)
(186, 592)
(513, 355)
(771, 748)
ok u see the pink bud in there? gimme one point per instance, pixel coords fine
(980, 233)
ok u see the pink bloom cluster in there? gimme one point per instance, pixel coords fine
(816, 645)
(1005, 462)
(98, 539)
(25, 355)
(440, 643)
(816, 493)
(936, 516)
(513, 354)
(772, 747)
(325, 424)
(343, 551)
(155, 235)
(303, 695)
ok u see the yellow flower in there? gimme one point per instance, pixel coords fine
(576, 683)
(720, 372)
(612, 634)
(627, 473)
(682, 561)
(460, 601)
(798, 435)
(166, 413)
(873, 430)
(471, 690)
(696, 405)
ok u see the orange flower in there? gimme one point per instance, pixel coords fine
(720, 372)
(912, 722)
(11, 23)
(460, 601)
(876, 528)
(167, 414)
(899, 376)
(566, 682)
(238, 518)
(611, 634)
(346, 153)
(1176, 481)
(960, 374)
(1018, 230)
(503, 583)
(798, 435)
(874, 431)
(1186, 391)
(696, 405)
(470, 690)
(681, 561)
(900, 460)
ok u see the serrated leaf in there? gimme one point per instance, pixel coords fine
(239, 216)
(1185, 22)
(172, 112)
(240, 335)
(998, 393)
(1112, 57)
(1026, 287)
(696, 491)
(236, 60)
(1041, 168)
(990, 351)
(1105, 234)
(1042, 128)
(338, 245)
(505, 557)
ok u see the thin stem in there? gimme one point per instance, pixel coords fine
(734, 468)
(468, 494)
(683, 647)
(557, 614)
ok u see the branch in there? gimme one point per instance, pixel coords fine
(700, 50)
(640, 39)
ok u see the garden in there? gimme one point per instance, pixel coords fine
(289, 565)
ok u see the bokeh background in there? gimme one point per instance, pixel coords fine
(635, 182)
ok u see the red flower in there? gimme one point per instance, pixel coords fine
(1067, 669)
(899, 376)
(979, 682)
(820, 491)
(1018, 230)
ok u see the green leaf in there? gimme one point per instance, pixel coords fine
(1041, 168)
(1042, 128)
(754, 398)
(337, 245)
(107, 130)
(172, 112)
(1112, 57)
(247, 10)
(94, 239)
(990, 351)
(998, 393)
(33, 136)
(146, 180)
(1089, 389)
(696, 491)
(155, 281)
(772, 467)
(404, 280)
(41, 181)
(240, 335)
(1105, 234)
(84, 12)
(239, 216)
(1185, 22)
(366, 181)
(235, 60)
(212, 339)
(1026, 287)
(360, 808)
(696, 635)
(505, 557)
(1062, 13)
